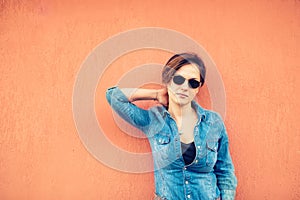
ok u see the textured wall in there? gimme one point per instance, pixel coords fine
(255, 45)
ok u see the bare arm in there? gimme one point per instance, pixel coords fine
(135, 94)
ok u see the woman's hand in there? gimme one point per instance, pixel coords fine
(162, 96)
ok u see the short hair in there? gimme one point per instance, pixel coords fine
(179, 60)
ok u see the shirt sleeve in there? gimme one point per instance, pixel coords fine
(224, 169)
(132, 114)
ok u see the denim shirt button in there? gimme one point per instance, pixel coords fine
(198, 147)
(196, 161)
(184, 168)
(188, 196)
(186, 182)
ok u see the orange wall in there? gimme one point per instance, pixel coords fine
(255, 45)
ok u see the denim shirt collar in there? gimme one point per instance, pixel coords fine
(199, 110)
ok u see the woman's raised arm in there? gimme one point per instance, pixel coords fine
(121, 102)
(135, 94)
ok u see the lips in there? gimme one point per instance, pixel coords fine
(182, 95)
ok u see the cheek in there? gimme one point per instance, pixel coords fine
(193, 93)
(171, 87)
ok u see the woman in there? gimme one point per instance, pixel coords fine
(189, 144)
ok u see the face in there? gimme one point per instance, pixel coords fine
(183, 94)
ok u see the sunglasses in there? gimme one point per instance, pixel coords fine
(179, 80)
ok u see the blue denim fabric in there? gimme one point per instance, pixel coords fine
(209, 176)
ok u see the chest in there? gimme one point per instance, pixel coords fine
(186, 128)
(167, 151)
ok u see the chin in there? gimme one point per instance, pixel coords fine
(183, 103)
(180, 102)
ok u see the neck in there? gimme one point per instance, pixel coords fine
(179, 111)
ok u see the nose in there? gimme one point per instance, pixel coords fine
(185, 85)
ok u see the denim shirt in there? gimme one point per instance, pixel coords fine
(208, 177)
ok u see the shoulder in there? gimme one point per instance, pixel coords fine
(209, 116)
(157, 111)
(215, 123)
(213, 116)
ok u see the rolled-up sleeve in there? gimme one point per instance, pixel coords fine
(134, 115)
(224, 169)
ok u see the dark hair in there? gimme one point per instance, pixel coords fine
(179, 60)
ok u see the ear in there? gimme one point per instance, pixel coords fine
(197, 90)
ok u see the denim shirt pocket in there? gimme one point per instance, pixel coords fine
(163, 139)
(164, 147)
(212, 152)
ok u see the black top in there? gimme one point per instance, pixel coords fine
(188, 152)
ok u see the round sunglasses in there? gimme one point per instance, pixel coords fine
(179, 80)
